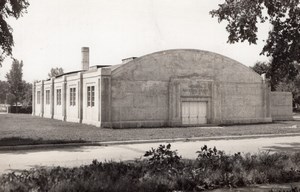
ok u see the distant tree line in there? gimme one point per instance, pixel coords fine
(17, 92)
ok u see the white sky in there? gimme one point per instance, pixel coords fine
(52, 33)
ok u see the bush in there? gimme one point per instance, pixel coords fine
(162, 159)
(293, 189)
(162, 170)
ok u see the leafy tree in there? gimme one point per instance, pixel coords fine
(285, 84)
(55, 71)
(27, 97)
(3, 91)
(293, 87)
(14, 79)
(9, 8)
(261, 68)
(10, 99)
(283, 43)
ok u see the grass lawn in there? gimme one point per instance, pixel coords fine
(26, 129)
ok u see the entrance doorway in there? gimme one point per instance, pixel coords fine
(194, 112)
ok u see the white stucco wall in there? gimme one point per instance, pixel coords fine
(72, 112)
(91, 114)
(58, 109)
(38, 110)
(47, 107)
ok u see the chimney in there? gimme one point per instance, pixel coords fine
(85, 54)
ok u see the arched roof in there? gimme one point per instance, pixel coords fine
(184, 62)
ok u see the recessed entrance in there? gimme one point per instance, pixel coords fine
(194, 112)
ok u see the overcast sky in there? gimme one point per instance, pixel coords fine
(52, 33)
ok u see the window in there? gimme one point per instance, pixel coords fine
(47, 97)
(58, 96)
(38, 100)
(91, 96)
(72, 96)
(88, 96)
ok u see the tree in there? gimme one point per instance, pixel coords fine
(285, 84)
(9, 8)
(27, 97)
(14, 79)
(283, 43)
(293, 87)
(261, 68)
(55, 72)
(3, 91)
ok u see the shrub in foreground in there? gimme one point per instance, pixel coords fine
(162, 169)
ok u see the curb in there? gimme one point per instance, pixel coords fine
(106, 143)
(231, 137)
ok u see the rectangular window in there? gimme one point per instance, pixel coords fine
(73, 96)
(88, 96)
(38, 100)
(91, 96)
(47, 97)
(58, 96)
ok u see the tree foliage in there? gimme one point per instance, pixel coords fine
(261, 68)
(292, 86)
(285, 83)
(27, 94)
(9, 8)
(3, 91)
(55, 72)
(283, 43)
(15, 82)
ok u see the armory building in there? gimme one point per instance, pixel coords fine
(167, 88)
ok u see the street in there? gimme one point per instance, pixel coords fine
(76, 156)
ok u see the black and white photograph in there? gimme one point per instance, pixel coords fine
(150, 95)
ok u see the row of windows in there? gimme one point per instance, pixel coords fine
(90, 96)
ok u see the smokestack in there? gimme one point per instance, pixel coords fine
(85, 54)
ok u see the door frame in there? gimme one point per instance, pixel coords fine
(181, 89)
(197, 99)
(198, 107)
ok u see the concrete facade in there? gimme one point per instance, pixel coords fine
(160, 89)
(281, 105)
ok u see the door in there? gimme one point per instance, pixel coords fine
(194, 112)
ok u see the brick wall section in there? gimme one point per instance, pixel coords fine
(281, 106)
